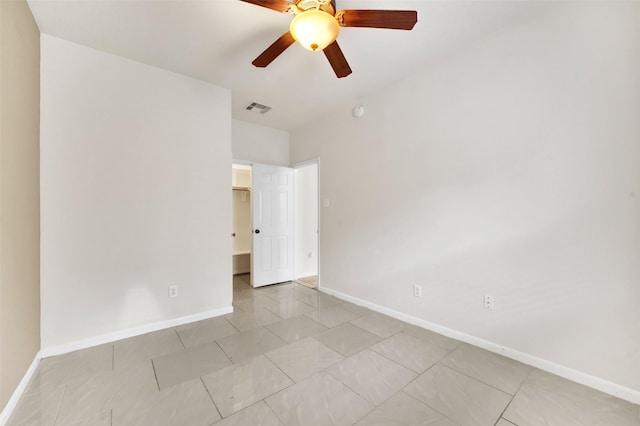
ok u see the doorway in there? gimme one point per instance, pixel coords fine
(306, 252)
(306, 223)
(241, 218)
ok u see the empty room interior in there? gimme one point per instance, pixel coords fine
(319, 212)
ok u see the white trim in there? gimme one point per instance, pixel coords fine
(594, 382)
(131, 332)
(17, 394)
(305, 163)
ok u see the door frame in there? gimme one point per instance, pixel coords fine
(300, 164)
(315, 160)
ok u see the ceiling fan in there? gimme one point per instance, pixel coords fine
(316, 25)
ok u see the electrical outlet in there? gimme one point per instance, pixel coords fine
(489, 302)
(417, 290)
(173, 291)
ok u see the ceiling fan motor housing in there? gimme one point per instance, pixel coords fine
(325, 6)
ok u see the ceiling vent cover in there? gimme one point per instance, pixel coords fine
(256, 107)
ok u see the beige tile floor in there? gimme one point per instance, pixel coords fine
(290, 355)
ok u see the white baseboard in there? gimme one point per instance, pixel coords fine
(22, 386)
(131, 332)
(594, 382)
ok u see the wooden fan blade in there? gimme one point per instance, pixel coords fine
(337, 60)
(391, 19)
(279, 5)
(273, 51)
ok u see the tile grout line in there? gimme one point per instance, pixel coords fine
(231, 324)
(326, 370)
(211, 398)
(155, 374)
(368, 331)
(318, 320)
(502, 418)
(225, 354)
(514, 395)
(180, 338)
(392, 360)
(293, 383)
(374, 406)
(264, 400)
(64, 392)
(425, 404)
(283, 372)
(418, 374)
(476, 379)
(479, 381)
(272, 410)
(422, 402)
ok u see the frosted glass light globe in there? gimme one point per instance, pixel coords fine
(314, 29)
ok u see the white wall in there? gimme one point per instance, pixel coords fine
(136, 178)
(511, 168)
(306, 220)
(260, 144)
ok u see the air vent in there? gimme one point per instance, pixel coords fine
(256, 107)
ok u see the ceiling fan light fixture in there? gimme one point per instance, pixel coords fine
(314, 29)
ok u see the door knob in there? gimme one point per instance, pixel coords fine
(233, 235)
(257, 231)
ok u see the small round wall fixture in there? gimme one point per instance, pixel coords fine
(358, 111)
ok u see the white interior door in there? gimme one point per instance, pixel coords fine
(272, 219)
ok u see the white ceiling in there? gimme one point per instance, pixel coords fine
(216, 41)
